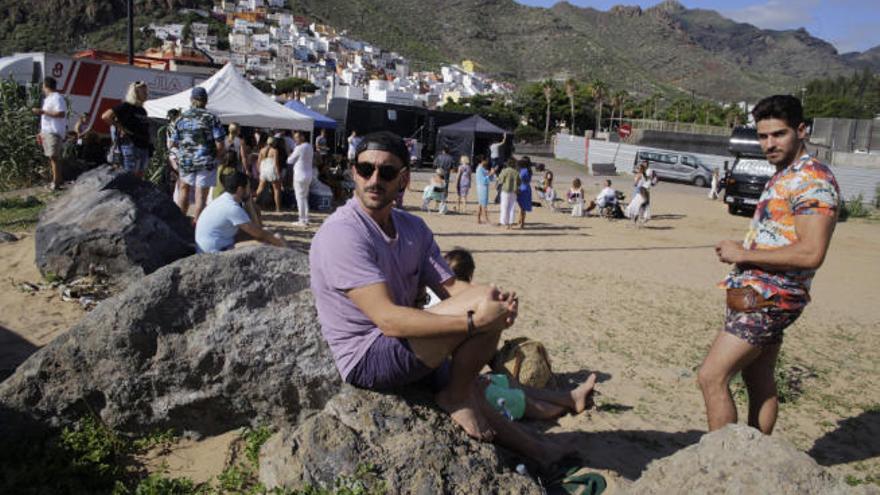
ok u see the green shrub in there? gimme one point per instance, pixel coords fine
(254, 440)
(21, 159)
(854, 208)
(528, 134)
(877, 195)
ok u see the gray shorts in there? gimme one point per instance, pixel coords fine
(51, 144)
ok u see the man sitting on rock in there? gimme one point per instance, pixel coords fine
(368, 261)
(218, 226)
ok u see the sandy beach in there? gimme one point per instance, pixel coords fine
(638, 306)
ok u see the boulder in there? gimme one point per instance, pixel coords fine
(410, 443)
(113, 222)
(738, 459)
(205, 345)
(7, 237)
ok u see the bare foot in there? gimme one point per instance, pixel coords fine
(582, 396)
(466, 414)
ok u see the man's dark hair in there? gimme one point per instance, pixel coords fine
(462, 264)
(50, 83)
(446, 149)
(782, 107)
(608, 182)
(233, 180)
(384, 141)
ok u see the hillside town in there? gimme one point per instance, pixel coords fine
(267, 42)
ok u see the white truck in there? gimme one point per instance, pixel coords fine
(92, 86)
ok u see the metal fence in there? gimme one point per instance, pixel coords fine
(847, 134)
(683, 127)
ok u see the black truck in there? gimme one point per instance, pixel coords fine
(744, 181)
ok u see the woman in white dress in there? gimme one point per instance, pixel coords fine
(639, 209)
(270, 171)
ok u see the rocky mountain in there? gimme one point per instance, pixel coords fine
(869, 59)
(666, 48)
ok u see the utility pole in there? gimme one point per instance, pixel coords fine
(130, 32)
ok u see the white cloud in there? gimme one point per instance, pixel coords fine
(776, 14)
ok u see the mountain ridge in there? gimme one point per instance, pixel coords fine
(666, 48)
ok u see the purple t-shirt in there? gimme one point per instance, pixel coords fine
(351, 251)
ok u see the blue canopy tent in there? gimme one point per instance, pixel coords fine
(321, 121)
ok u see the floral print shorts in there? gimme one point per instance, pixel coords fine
(760, 328)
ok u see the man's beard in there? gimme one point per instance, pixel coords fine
(384, 199)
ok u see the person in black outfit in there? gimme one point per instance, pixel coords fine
(132, 129)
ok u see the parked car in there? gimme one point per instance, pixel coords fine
(669, 165)
(744, 182)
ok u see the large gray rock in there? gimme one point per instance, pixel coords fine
(113, 221)
(740, 460)
(207, 344)
(414, 447)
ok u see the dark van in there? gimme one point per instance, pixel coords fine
(745, 180)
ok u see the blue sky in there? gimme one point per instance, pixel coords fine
(850, 25)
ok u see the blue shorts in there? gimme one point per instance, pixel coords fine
(134, 159)
(390, 363)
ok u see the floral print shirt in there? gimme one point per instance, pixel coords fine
(806, 187)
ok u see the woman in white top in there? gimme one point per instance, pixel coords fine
(270, 170)
(301, 158)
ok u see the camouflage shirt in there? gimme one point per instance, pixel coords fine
(196, 134)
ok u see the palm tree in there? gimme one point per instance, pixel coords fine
(570, 88)
(548, 95)
(598, 90)
(618, 100)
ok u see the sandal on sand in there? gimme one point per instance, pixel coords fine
(583, 484)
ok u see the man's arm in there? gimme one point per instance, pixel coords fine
(403, 322)
(262, 235)
(294, 155)
(814, 236)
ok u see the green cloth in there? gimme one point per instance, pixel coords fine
(514, 398)
(509, 180)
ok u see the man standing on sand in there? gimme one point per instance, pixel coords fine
(53, 128)
(368, 262)
(769, 285)
(197, 139)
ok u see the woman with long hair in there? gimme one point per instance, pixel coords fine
(270, 170)
(131, 129)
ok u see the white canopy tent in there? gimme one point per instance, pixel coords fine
(233, 99)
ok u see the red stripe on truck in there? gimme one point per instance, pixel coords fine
(85, 80)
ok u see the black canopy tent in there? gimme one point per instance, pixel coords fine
(470, 137)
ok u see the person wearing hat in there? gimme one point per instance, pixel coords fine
(368, 262)
(197, 140)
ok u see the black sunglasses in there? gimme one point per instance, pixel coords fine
(386, 172)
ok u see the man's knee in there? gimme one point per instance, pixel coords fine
(710, 378)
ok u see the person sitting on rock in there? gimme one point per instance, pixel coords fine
(368, 261)
(225, 221)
